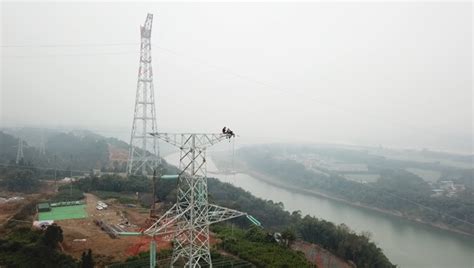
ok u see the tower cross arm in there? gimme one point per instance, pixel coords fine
(185, 140)
(167, 223)
(217, 213)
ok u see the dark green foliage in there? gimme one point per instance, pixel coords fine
(269, 213)
(115, 183)
(258, 247)
(52, 236)
(25, 248)
(19, 180)
(87, 260)
(8, 147)
(25, 235)
(288, 236)
(341, 241)
(68, 193)
(256, 234)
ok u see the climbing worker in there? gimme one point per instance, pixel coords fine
(224, 130)
(230, 133)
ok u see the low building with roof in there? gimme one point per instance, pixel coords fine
(44, 207)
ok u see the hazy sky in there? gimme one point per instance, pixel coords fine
(396, 74)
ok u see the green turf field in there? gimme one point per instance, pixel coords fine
(63, 213)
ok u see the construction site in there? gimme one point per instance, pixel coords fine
(111, 232)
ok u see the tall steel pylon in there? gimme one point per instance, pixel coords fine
(19, 153)
(190, 217)
(144, 152)
(42, 147)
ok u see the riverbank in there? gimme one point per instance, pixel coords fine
(268, 179)
(243, 168)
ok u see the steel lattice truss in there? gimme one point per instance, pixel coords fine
(19, 152)
(190, 217)
(144, 152)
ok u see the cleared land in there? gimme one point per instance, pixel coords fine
(105, 248)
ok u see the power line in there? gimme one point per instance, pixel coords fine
(70, 55)
(42, 168)
(205, 62)
(67, 45)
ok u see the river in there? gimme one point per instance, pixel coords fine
(406, 243)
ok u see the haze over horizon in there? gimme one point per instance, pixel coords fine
(374, 74)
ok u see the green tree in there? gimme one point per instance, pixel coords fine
(86, 259)
(288, 236)
(52, 236)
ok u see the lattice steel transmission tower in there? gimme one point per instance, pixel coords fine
(19, 153)
(190, 217)
(144, 152)
(42, 147)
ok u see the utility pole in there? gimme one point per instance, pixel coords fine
(144, 152)
(191, 215)
(19, 153)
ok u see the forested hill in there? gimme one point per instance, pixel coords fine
(432, 192)
(76, 150)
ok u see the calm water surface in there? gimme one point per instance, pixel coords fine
(405, 243)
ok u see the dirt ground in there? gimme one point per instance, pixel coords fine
(319, 256)
(108, 249)
(9, 209)
(117, 154)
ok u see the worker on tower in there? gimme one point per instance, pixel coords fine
(229, 133)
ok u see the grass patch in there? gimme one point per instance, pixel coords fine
(63, 213)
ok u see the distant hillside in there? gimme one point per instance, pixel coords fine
(77, 150)
(8, 147)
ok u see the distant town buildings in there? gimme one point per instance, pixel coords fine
(447, 188)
